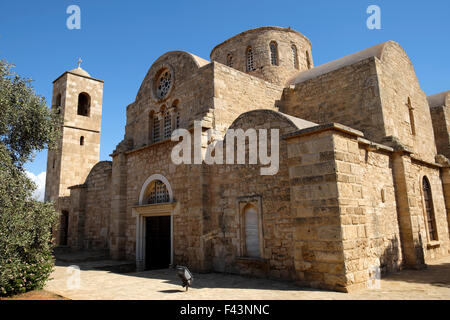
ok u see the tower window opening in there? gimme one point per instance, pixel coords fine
(294, 56)
(58, 103)
(81, 141)
(273, 53)
(250, 64)
(230, 60)
(84, 104)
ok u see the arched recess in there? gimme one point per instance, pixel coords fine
(149, 180)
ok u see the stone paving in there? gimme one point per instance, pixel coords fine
(95, 283)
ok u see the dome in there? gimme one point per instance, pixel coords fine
(80, 72)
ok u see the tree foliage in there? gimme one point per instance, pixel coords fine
(26, 126)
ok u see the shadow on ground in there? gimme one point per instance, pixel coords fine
(436, 274)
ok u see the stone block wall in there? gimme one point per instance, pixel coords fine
(318, 248)
(349, 95)
(97, 206)
(398, 83)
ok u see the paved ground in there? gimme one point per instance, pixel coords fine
(95, 283)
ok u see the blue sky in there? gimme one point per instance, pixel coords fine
(119, 40)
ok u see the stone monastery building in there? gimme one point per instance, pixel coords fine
(363, 179)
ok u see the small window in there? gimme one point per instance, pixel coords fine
(156, 128)
(294, 56)
(84, 104)
(81, 141)
(273, 53)
(429, 210)
(167, 125)
(251, 232)
(250, 65)
(230, 60)
(58, 104)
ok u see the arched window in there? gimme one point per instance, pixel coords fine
(251, 232)
(81, 141)
(429, 209)
(308, 60)
(294, 56)
(411, 117)
(250, 65)
(156, 192)
(273, 53)
(167, 125)
(58, 103)
(176, 114)
(84, 104)
(230, 60)
(156, 129)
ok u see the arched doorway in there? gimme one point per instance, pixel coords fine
(154, 230)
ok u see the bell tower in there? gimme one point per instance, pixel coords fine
(78, 98)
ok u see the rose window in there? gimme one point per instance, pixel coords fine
(163, 84)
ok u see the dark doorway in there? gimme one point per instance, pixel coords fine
(157, 242)
(64, 228)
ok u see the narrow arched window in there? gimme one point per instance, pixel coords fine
(156, 128)
(167, 125)
(411, 117)
(308, 60)
(84, 104)
(58, 103)
(156, 192)
(81, 141)
(250, 64)
(230, 60)
(251, 232)
(429, 210)
(273, 53)
(294, 56)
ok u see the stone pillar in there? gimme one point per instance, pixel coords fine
(409, 232)
(118, 206)
(318, 254)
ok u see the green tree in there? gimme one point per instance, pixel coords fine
(26, 126)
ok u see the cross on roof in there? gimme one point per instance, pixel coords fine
(79, 62)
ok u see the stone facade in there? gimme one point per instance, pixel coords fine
(363, 182)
